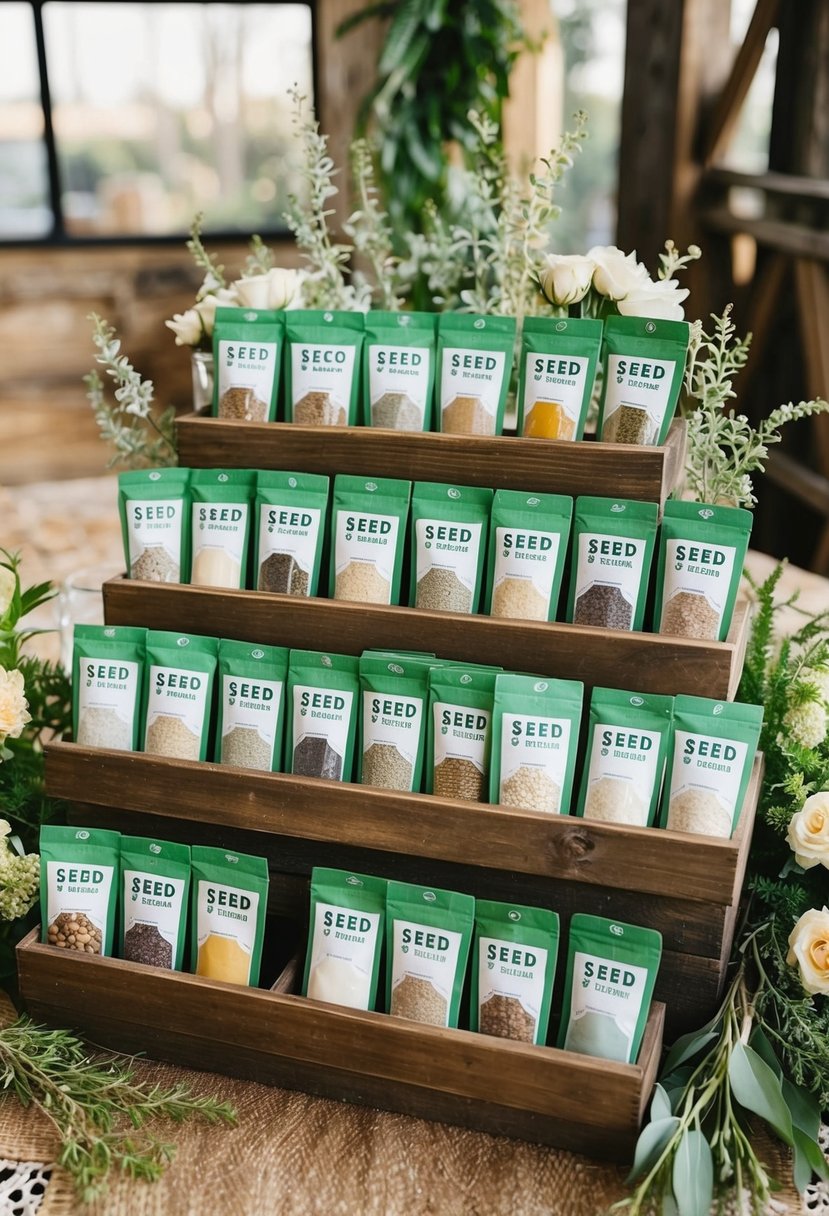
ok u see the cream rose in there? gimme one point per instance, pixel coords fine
(808, 833)
(809, 950)
(617, 274)
(187, 326)
(276, 289)
(8, 586)
(206, 308)
(14, 708)
(566, 277)
(661, 299)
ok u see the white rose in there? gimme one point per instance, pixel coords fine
(187, 327)
(662, 299)
(617, 274)
(276, 289)
(14, 708)
(223, 298)
(808, 832)
(809, 950)
(8, 586)
(566, 277)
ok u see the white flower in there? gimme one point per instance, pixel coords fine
(809, 950)
(225, 297)
(806, 724)
(566, 277)
(187, 327)
(661, 298)
(8, 586)
(5, 827)
(808, 832)
(819, 676)
(617, 274)
(14, 708)
(276, 289)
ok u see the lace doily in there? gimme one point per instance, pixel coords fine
(22, 1186)
(816, 1196)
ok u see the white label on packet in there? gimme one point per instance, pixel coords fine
(614, 561)
(154, 899)
(710, 767)
(342, 955)
(108, 684)
(363, 537)
(627, 755)
(512, 970)
(229, 912)
(642, 383)
(601, 986)
(472, 373)
(248, 364)
(531, 742)
(445, 545)
(392, 719)
(461, 733)
(289, 529)
(177, 693)
(700, 568)
(322, 368)
(555, 378)
(399, 369)
(156, 523)
(425, 952)
(220, 527)
(324, 713)
(524, 554)
(79, 887)
(251, 704)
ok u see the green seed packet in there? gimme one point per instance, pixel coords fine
(107, 681)
(221, 526)
(644, 362)
(251, 715)
(709, 764)
(229, 901)
(290, 518)
(701, 553)
(322, 714)
(556, 374)
(428, 935)
(79, 888)
(514, 957)
(399, 370)
(535, 735)
(394, 691)
(628, 740)
(247, 359)
(345, 938)
(155, 883)
(178, 694)
(611, 556)
(322, 368)
(449, 527)
(368, 535)
(528, 535)
(474, 365)
(154, 506)
(459, 731)
(611, 972)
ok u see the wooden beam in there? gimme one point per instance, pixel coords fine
(785, 237)
(787, 185)
(766, 289)
(802, 483)
(726, 115)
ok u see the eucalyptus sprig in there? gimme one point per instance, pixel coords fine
(260, 258)
(370, 230)
(214, 272)
(103, 1114)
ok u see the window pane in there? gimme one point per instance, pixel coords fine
(162, 110)
(24, 191)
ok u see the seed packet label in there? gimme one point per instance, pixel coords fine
(177, 693)
(392, 720)
(319, 368)
(700, 569)
(156, 523)
(644, 384)
(289, 529)
(706, 765)
(250, 365)
(461, 733)
(611, 989)
(348, 937)
(527, 555)
(628, 756)
(366, 538)
(79, 887)
(227, 912)
(535, 743)
(513, 970)
(110, 685)
(425, 952)
(324, 713)
(399, 369)
(448, 546)
(558, 379)
(151, 899)
(615, 561)
(472, 373)
(221, 526)
(251, 705)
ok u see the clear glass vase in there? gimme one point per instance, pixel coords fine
(201, 364)
(80, 602)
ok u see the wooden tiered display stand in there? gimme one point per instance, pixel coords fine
(687, 887)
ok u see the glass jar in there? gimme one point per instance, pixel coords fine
(80, 602)
(201, 364)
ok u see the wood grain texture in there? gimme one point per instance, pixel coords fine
(645, 662)
(543, 466)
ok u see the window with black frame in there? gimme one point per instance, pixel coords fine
(120, 120)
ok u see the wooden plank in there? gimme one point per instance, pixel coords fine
(727, 112)
(541, 465)
(803, 483)
(785, 185)
(643, 860)
(797, 239)
(644, 662)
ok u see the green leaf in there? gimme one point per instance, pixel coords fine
(653, 1140)
(400, 34)
(808, 1160)
(693, 1175)
(660, 1104)
(803, 1107)
(764, 1049)
(690, 1045)
(383, 8)
(755, 1087)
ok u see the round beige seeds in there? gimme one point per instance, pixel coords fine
(74, 931)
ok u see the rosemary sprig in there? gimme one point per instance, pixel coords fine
(214, 273)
